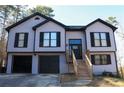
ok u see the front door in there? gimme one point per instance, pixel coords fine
(76, 46)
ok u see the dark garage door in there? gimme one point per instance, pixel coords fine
(22, 64)
(48, 64)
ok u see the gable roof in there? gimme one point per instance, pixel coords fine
(32, 15)
(67, 28)
(104, 22)
(40, 24)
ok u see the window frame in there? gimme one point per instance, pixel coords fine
(101, 60)
(100, 39)
(17, 46)
(20, 40)
(50, 39)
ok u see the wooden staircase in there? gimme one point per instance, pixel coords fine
(78, 69)
(83, 72)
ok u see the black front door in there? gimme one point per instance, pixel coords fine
(76, 46)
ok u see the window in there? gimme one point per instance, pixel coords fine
(100, 59)
(49, 39)
(100, 39)
(21, 40)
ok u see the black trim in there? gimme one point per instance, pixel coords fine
(108, 59)
(92, 39)
(40, 24)
(25, 39)
(75, 28)
(104, 22)
(41, 39)
(39, 52)
(32, 15)
(58, 39)
(16, 39)
(78, 57)
(67, 28)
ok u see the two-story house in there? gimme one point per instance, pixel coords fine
(39, 44)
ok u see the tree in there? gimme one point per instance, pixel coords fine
(113, 21)
(43, 10)
(5, 11)
(18, 13)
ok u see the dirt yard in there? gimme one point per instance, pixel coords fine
(106, 82)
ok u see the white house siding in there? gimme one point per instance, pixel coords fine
(99, 27)
(76, 35)
(62, 61)
(23, 27)
(98, 69)
(50, 27)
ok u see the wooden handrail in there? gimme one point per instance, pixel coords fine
(75, 64)
(89, 65)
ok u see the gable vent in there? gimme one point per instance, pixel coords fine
(37, 18)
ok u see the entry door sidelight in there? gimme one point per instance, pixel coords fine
(76, 46)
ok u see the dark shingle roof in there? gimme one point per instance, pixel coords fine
(104, 22)
(75, 28)
(40, 24)
(37, 13)
(67, 28)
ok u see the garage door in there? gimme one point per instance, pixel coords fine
(22, 64)
(48, 64)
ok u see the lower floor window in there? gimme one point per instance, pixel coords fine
(100, 59)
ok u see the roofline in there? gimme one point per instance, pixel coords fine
(57, 22)
(40, 24)
(32, 15)
(104, 22)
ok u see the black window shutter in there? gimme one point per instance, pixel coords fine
(41, 39)
(108, 59)
(16, 40)
(58, 39)
(92, 39)
(93, 59)
(108, 39)
(25, 39)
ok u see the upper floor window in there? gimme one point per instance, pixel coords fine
(100, 59)
(49, 39)
(100, 39)
(21, 40)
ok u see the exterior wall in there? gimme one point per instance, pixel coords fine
(98, 69)
(24, 27)
(76, 35)
(62, 60)
(99, 27)
(50, 27)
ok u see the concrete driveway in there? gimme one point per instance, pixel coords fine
(28, 80)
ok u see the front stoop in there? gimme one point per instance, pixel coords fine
(70, 79)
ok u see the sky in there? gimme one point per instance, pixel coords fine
(82, 15)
